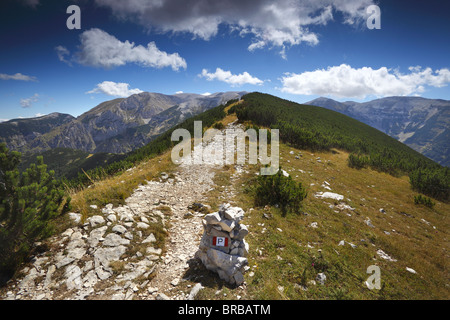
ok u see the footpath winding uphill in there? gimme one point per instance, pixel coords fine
(114, 255)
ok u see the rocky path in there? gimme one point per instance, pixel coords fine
(115, 255)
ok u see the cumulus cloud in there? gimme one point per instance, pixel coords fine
(116, 89)
(28, 102)
(270, 23)
(17, 76)
(228, 77)
(346, 82)
(100, 49)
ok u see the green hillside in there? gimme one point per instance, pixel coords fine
(319, 129)
(68, 163)
(304, 127)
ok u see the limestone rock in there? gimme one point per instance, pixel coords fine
(76, 217)
(150, 238)
(222, 247)
(321, 278)
(96, 220)
(114, 240)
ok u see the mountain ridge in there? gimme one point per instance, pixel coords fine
(116, 126)
(418, 122)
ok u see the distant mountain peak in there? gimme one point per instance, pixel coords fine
(116, 126)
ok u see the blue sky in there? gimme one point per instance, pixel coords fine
(297, 50)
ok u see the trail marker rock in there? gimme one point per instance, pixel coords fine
(223, 248)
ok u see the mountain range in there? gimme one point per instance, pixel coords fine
(420, 123)
(126, 124)
(115, 126)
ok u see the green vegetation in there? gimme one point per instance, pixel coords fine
(318, 129)
(419, 199)
(68, 162)
(281, 190)
(218, 126)
(30, 201)
(434, 182)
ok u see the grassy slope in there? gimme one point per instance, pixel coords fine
(282, 260)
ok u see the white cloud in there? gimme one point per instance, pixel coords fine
(17, 76)
(206, 94)
(28, 102)
(62, 52)
(270, 23)
(346, 82)
(100, 49)
(228, 77)
(117, 89)
(179, 92)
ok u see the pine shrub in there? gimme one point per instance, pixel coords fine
(419, 199)
(29, 201)
(279, 190)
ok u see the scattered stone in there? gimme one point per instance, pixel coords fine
(119, 229)
(411, 270)
(329, 195)
(76, 217)
(267, 216)
(96, 220)
(342, 206)
(385, 256)
(162, 296)
(96, 236)
(114, 240)
(152, 290)
(73, 275)
(151, 238)
(311, 282)
(67, 233)
(142, 225)
(164, 176)
(111, 217)
(369, 223)
(321, 278)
